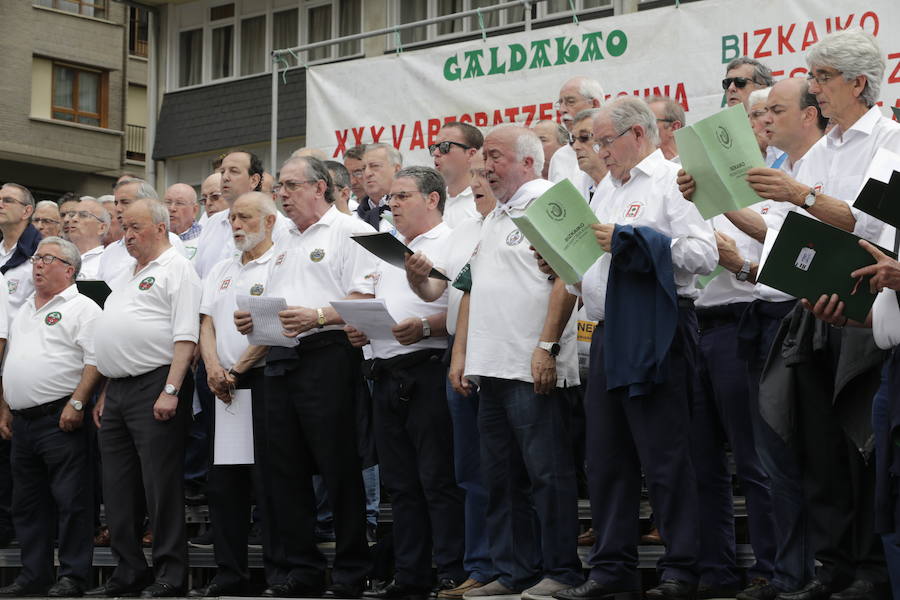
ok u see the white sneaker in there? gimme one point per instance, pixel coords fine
(544, 589)
(493, 589)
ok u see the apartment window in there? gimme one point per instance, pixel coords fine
(253, 45)
(190, 57)
(88, 8)
(410, 11)
(286, 32)
(562, 7)
(78, 95)
(138, 27)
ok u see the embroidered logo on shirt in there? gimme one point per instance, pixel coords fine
(146, 283)
(818, 187)
(12, 285)
(514, 238)
(280, 259)
(555, 211)
(257, 289)
(190, 252)
(764, 210)
(633, 210)
(53, 318)
(317, 255)
(225, 283)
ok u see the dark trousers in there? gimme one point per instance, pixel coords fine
(526, 461)
(653, 432)
(52, 496)
(197, 448)
(312, 429)
(414, 439)
(143, 460)
(720, 416)
(230, 489)
(6, 486)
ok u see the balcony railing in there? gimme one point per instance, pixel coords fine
(135, 143)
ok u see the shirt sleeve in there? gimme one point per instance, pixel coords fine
(185, 293)
(85, 337)
(209, 287)
(358, 268)
(694, 246)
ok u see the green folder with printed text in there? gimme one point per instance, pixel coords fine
(810, 258)
(717, 152)
(558, 225)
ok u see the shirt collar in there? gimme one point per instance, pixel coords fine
(161, 260)
(65, 295)
(523, 196)
(864, 125)
(98, 250)
(465, 194)
(258, 261)
(431, 234)
(191, 233)
(647, 167)
(330, 216)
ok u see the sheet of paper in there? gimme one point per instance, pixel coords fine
(717, 152)
(267, 328)
(558, 225)
(389, 249)
(370, 316)
(233, 444)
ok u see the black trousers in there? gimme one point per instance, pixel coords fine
(229, 490)
(414, 438)
(312, 429)
(143, 460)
(53, 493)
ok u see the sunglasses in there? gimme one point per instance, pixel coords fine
(444, 147)
(739, 82)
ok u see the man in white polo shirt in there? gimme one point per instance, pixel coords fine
(181, 200)
(576, 94)
(453, 149)
(145, 412)
(85, 227)
(50, 441)
(515, 339)
(20, 238)
(311, 387)
(413, 431)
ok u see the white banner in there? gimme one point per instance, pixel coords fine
(404, 98)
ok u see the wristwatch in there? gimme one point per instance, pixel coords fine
(551, 347)
(426, 328)
(320, 318)
(170, 390)
(744, 273)
(810, 199)
(76, 404)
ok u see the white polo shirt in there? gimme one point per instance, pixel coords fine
(48, 349)
(227, 280)
(90, 263)
(563, 164)
(216, 241)
(145, 315)
(460, 207)
(391, 285)
(509, 300)
(20, 286)
(460, 248)
(115, 259)
(650, 198)
(322, 264)
(5, 319)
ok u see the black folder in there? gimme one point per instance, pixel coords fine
(95, 289)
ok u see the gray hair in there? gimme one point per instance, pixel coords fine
(562, 134)
(159, 213)
(427, 180)
(628, 111)
(529, 144)
(27, 197)
(263, 201)
(394, 156)
(44, 203)
(853, 52)
(757, 96)
(106, 199)
(339, 174)
(591, 89)
(672, 111)
(315, 169)
(762, 75)
(587, 113)
(104, 214)
(145, 190)
(67, 249)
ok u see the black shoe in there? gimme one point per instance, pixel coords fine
(214, 590)
(17, 590)
(161, 589)
(292, 589)
(113, 588)
(704, 591)
(759, 589)
(814, 590)
(204, 540)
(345, 590)
(862, 590)
(594, 590)
(399, 591)
(66, 587)
(672, 589)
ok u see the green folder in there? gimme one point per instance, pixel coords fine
(95, 289)
(880, 199)
(558, 225)
(896, 111)
(717, 152)
(810, 258)
(391, 250)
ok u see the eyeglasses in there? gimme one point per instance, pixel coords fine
(584, 138)
(44, 221)
(739, 82)
(823, 77)
(214, 197)
(178, 203)
(568, 102)
(7, 200)
(81, 214)
(291, 186)
(608, 141)
(401, 196)
(445, 146)
(759, 112)
(358, 173)
(48, 259)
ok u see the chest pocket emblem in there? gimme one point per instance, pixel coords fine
(257, 290)
(12, 285)
(514, 238)
(146, 283)
(317, 255)
(53, 318)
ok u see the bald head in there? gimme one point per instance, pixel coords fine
(181, 202)
(211, 194)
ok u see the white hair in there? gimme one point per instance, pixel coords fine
(44, 203)
(757, 96)
(591, 89)
(853, 52)
(393, 155)
(628, 111)
(67, 249)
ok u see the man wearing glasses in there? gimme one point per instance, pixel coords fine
(353, 162)
(577, 94)
(380, 162)
(311, 387)
(181, 200)
(455, 146)
(742, 76)
(46, 218)
(86, 224)
(51, 464)
(20, 239)
(211, 197)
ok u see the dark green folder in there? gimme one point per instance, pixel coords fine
(810, 258)
(391, 250)
(896, 111)
(95, 289)
(881, 200)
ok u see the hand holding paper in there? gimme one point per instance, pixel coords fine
(267, 327)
